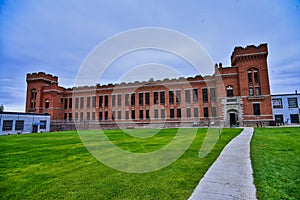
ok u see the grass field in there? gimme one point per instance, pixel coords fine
(58, 166)
(275, 155)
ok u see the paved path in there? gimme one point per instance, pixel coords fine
(230, 177)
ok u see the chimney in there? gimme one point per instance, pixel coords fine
(296, 91)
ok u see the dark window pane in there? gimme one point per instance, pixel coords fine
(204, 95)
(187, 96)
(162, 97)
(195, 95)
(205, 111)
(171, 113)
(256, 109)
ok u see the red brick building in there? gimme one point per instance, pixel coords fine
(235, 95)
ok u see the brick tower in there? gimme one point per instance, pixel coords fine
(254, 87)
(44, 95)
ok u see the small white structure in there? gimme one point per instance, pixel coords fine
(286, 108)
(17, 123)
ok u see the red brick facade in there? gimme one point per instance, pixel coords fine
(239, 94)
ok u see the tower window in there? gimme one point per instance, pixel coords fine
(47, 103)
(229, 91)
(256, 109)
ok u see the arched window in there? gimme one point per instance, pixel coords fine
(33, 98)
(47, 103)
(253, 80)
(229, 91)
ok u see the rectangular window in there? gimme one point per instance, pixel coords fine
(119, 114)
(229, 92)
(279, 118)
(178, 96)
(205, 111)
(213, 94)
(256, 109)
(251, 92)
(171, 113)
(293, 102)
(204, 95)
(70, 102)
(195, 95)
(88, 102)
(76, 116)
(155, 113)
(187, 96)
(196, 112)
(155, 97)
(250, 77)
(178, 113)
(106, 101)
(126, 99)
(77, 102)
(213, 111)
(119, 99)
(256, 76)
(93, 116)
(141, 99)
(147, 114)
(66, 103)
(294, 118)
(106, 115)
(81, 102)
(162, 97)
(81, 115)
(100, 101)
(126, 114)
(88, 117)
(171, 97)
(188, 112)
(93, 101)
(141, 114)
(257, 91)
(277, 103)
(19, 126)
(133, 114)
(132, 99)
(43, 124)
(65, 116)
(162, 113)
(147, 96)
(70, 116)
(113, 100)
(100, 116)
(113, 115)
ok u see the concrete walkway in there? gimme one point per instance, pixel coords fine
(230, 177)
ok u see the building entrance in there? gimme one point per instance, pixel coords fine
(34, 128)
(232, 118)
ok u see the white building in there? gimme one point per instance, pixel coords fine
(286, 108)
(17, 123)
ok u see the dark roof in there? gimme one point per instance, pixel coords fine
(21, 113)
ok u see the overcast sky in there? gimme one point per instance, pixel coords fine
(55, 36)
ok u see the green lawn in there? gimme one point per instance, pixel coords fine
(275, 155)
(58, 166)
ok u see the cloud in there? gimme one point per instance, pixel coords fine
(56, 36)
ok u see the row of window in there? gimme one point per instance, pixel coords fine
(19, 125)
(253, 81)
(292, 103)
(142, 114)
(144, 98)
